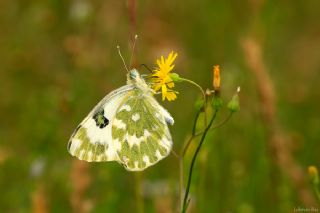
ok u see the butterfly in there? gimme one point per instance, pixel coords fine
(128, 126)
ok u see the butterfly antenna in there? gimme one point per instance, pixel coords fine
(146, 66)
(133, 48)
(124, 63)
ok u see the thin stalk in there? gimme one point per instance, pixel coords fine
(218, 125)
(186, 146)
(138, 189)
(175, 154)
(316, 190)
(181, 181)
(182, 154)
(223, 122)
(132, 17)
(185, 200)
(203, 96)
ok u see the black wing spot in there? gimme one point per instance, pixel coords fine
(100, 120)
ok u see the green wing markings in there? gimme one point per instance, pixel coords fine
(145, 139)
(82, 148)
(133, 157)
(130, 155)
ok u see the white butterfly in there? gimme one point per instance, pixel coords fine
(128, 126)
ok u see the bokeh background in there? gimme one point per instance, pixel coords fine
(59, 58)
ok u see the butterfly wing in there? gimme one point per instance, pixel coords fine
(140, 132)
(92, 141)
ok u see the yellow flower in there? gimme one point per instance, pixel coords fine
(162, 78)
(216, 77)
(313, 172)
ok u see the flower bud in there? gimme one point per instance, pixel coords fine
(216, 102)
(216, 78)
(313, 174)
(234, 105)
(175, 77)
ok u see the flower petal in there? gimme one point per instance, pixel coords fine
(161, 79)
(171, 96)
(170, 84)
(164, 91)
(162, 60)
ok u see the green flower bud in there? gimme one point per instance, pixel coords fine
(216, 102)
(313, 174)
(234, 105)
(175, 77)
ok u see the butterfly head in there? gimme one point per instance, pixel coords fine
(135, 78)
(134, 74)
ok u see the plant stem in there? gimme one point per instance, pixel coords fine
(218, 125)
(203, 96)
(185, 200)
(182, 154)
(132, 17)
(316, 189)
(186, 146)
(139, 199)
(181, 181)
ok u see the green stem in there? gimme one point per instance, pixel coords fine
(186, 146)
(139, 199)
(203, 96)
(182, 154)
(185, 200)
(218, 125)
(316, 189)
(181, 181)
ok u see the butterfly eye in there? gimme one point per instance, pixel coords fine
(134, 74)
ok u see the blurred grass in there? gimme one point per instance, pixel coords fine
(58, 59)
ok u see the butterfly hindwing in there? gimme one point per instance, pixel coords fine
(140, 132)
(92, 140)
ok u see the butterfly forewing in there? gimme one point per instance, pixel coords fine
(92, 140)
(139, 131)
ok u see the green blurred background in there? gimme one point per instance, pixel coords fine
(59, 58)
